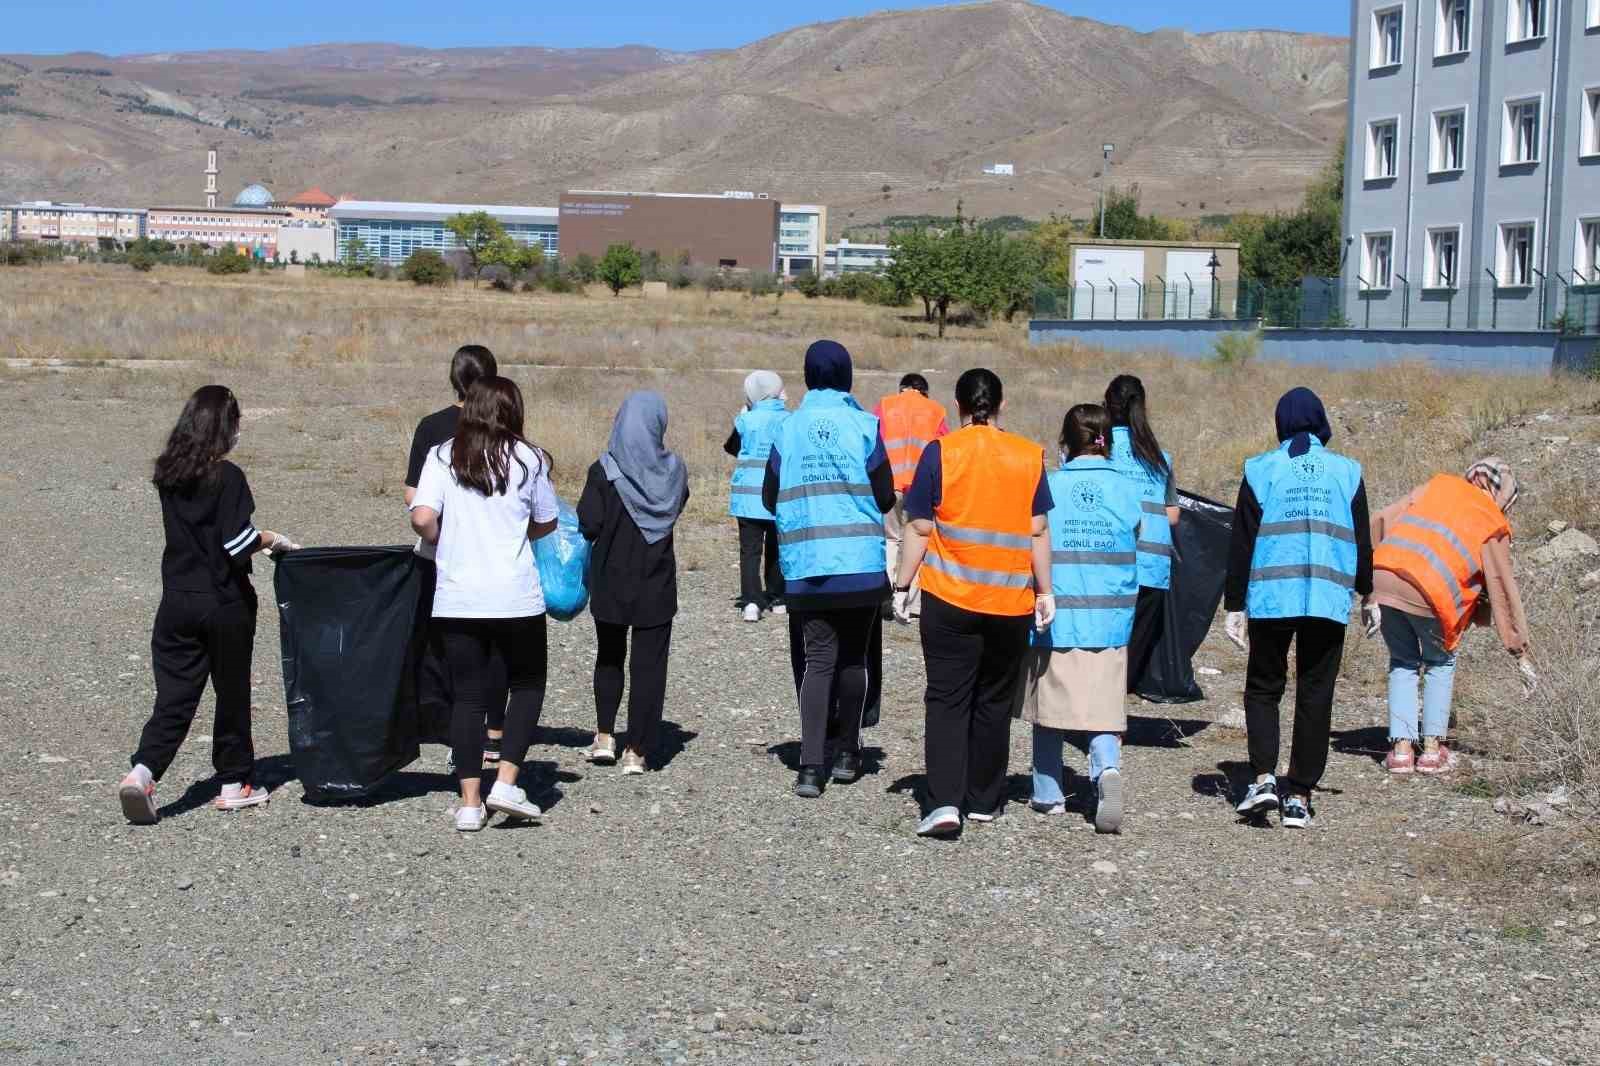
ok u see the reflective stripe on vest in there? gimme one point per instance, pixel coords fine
(757, 429)
(1304, 564)
(1155, 530)
(1094, 561)
(980, 555)
(828, 521)
(1436, 546)
(910, 422)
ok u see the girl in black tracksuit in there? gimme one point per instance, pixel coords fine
(206, 624)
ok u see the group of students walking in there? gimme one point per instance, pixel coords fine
(1039, 594)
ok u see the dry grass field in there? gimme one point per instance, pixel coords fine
(688, 922)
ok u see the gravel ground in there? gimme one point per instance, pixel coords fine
(698, 913)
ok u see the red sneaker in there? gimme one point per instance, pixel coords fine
(1401, 763)
(1439, 761)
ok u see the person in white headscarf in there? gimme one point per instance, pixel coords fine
(750, 444)
(630, 504)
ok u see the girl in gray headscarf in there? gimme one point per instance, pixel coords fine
(633, 497)
(754, 430)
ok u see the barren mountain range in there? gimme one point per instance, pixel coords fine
(892, 113)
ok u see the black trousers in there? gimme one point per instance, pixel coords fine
(1149, 626)
(435, 706)
(647, 680)
(974, 664)
(836, 683)
(488, 659)
(758, 562)
(199, 636)
(1319, 647)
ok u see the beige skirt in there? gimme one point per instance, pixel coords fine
(1076, 689)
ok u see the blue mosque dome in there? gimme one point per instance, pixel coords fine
(253, 196)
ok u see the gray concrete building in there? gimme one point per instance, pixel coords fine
(1472, 181)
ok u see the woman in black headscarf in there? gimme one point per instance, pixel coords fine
(632, 500)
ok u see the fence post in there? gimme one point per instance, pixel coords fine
(1091, 299)
(1163, 282)
(1405, 302)
(1190, 280)
(1494, 299)
(1140, 289)
(1114, 298)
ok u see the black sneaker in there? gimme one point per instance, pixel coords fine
(808, 782)
(1296, 813)
(846, 767)
(1261, 798)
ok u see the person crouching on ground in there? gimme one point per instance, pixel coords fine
(471, 363)
(1442, 561)
(205, 626)
(829, 482)
(977, 512)
(754, 430)
(1076, 674)
(483, 498)
(630, 504)
(1301, 546)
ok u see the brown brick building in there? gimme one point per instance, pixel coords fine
(733, 230)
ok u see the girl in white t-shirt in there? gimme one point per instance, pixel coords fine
(482, 499)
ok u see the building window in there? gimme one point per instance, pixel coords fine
(1586, 263)
(1515, 255)
(1377, 253)
(1449, 141)
(1594, 15)
(1387, 36)
(1521, 135)
(1383, 146)
(1524, 20)
(1444, 248)
(1454, 34)
(1590, 122)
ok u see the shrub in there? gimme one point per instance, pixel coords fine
(426, 267)
(559, 284)
(621, 267)
(228, 261)
(809, 285)
(1236, 349)
(142, 261)
(583, 269)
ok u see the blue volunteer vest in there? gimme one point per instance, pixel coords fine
(828, 521)
(1155, 532)
(758, 428)
(1304, 565)
(1094, 570)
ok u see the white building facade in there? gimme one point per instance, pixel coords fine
(802, 238)
(66, 223)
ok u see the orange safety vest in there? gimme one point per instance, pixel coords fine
(1437, 547)
(980, 557)
(908, 421)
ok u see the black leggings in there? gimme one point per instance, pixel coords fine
(833, 689)
(758, 562)
(647, 689)
(489, 657)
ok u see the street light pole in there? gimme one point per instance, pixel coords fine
(1105, 150)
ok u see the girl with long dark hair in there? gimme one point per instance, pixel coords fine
(482, 499)
(205, 626)
(1138, 455)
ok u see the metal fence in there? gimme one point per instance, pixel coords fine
(1551, 304)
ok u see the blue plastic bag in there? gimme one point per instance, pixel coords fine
(563, 559)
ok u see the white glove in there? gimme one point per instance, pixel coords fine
(1371, 618)
(1044, 612)
(1530, 676)
(281, 545)
(902, 606)
(1235, 626)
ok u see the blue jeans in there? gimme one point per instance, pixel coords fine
(1105, 753)
(1416, 646)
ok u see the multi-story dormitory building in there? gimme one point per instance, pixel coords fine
(1472, 182)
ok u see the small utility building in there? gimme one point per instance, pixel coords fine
(1152, 279)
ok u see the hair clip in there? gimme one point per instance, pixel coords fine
(1100, 441)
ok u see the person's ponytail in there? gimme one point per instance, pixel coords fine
(979, 395)
(1125, 404)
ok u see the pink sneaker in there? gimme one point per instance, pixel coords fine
(1439, 761)
(138, 800)
(238, 797)
(1398, 763)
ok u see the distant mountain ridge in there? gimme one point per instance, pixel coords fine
(891, 113)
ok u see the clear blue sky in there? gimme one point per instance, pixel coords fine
(122, 26)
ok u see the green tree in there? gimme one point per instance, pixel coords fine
(934, 267)
(1281, 249)
(426, 267)
(476, 232)
(620, 268)
(583, 269)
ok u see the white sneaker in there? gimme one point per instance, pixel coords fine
(603, 751)
(942, 821)
(1048, 808)
(1108, 812)
(471, 819)
(238, 797)
(752, 612)
(632, 763)
(779, 609)
(513, 802)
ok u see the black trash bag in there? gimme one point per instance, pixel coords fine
(1199, 569)
(350, 639)
(797, 662)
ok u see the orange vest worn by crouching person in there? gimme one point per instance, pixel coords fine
(908, 421)
(1436, 546)
(980, 555)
